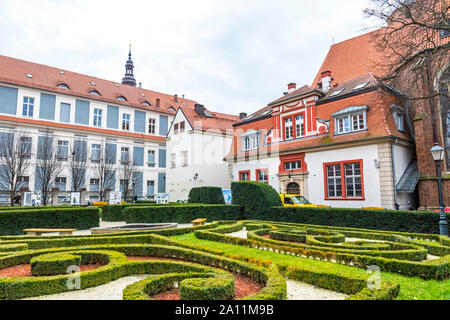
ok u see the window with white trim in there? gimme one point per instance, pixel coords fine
(344, 180)
(300, 126)
(185, 157)
(351, 123)
(96, 153)
(124, 154)
(63, 150)
(151, 126)
(28, 107)
(151, 158)
(126, 122)
(173, 160)
(288, 130)
(98, 117)
(250, 142)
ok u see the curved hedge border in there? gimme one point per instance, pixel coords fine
(12, 222)
(391, 261)
(53, 264)
(118, 266)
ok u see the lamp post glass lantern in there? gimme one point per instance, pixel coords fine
(437, 152)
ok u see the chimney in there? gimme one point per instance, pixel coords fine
(326, 81)
(242, 115)
(158, 103)
(292, 87)
(175, 97)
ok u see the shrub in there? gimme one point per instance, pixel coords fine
(181, 214)
(146, 201)
(255, 197)
(12, 247)
(53, 264)
(12, 222)
(386, 220)
(206, 195)
(220, 288)
(115, 212)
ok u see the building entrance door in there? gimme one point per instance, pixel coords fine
(293, 188)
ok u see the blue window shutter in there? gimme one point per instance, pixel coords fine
(138, 156)
(80, 149)
(47, 107)
(138, 183)
(161, 183)
(45, 148)
(110, 182)
(8, 100)
(163, 125)
(162, 158)
(139, 121)
(111, 153)
(82, 112)
(64, 112)
(112, 118)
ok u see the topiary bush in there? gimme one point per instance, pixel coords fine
(257, 198)
(53, 264)
(219, 288)
(206, 195)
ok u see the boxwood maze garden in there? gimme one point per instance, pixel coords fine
(204, 263)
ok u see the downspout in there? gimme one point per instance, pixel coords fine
(394, 178)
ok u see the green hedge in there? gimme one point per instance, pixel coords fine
(53, 264)
(255, 197)
(386, 220)
(206, 195)
(114, 212)
(12, 222)
(181, 214)
(220, 288)
(39, 207)
(145, 201)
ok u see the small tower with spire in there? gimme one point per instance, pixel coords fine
(129, 69)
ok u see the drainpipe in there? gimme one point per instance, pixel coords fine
(394, 178)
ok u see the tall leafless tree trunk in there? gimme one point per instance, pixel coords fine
(79, 165)
(15, 159)
(103, 170)
(127, 169)
(48, 167)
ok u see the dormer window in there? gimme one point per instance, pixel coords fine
(95, 93)
(171, 109)
(336, 93)
(351, 119)
(145, 103)
(399, 115)
(122, 98)
(250, 141)
(63, 86)
(361, 86)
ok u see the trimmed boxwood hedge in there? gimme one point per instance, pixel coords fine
(255, 197)
(181, 214)
(114, 212)
(386, 220)
(206, 195)
(53, 264)
(12, 222)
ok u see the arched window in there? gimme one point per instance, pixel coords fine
(146, 103)
(95, 93)
(122, 98)
(63, 86)
(444, 90)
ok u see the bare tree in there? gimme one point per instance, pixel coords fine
(103, 170)
(79, 164)
(48, 167)
(15, 159)
(128, 176)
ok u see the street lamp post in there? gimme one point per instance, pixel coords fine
(438, 155)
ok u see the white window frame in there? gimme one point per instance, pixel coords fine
(250, 142)
(185, 157)
(347, 123)
(288, 128)
(98, 117)
(152, 126)
(27, 105)
(173, 160)
(126, 121)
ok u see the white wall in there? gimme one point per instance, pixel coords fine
(267, 163)
(368, 154)
(402, 158)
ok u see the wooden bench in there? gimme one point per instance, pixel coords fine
(199, 222)
(39, 232)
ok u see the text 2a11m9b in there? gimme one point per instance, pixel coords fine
(246, 310)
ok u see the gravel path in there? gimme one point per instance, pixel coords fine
(109, 291)
(299, 290)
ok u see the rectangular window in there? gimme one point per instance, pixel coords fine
(94, 184)
(358, 122)
(64, 112)
(262, 175)
(23, 182)
(299, 126)
(244, 176)
(246, 143)
(343, 125)
(60, 183)
(292, 165)
(151, 159)
(150, 189)
(185, 156)
(288, 132)
(173, 160)
(250, 142)
(350, 123)
(175, 129)
(63, 150)
(28, 107)
(124, 154)
(96, 152)
(126, 122)
(344, 180)
(25, 146)
(399, 123)
(152, 126)
(182, 127)
(98, 117)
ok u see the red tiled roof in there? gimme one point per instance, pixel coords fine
(220, 122)
(15, 71)
(301, 91)
(352, 58)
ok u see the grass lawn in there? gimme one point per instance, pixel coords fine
(410, 288)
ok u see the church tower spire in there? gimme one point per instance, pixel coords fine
(129, 69)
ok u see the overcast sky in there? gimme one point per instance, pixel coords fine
(232, 56)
